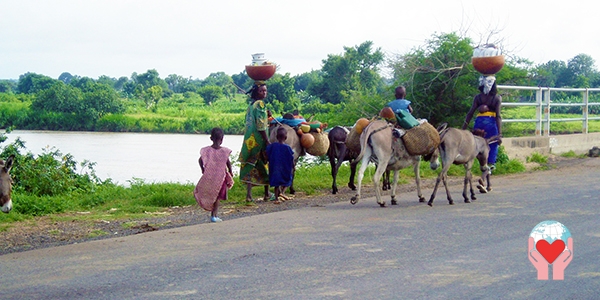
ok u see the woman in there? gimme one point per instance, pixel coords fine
(488, 103)
(253, 168)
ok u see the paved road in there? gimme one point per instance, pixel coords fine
(340, 251)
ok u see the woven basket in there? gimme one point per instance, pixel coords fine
(321, 145)
(353, 141)
(421, 140)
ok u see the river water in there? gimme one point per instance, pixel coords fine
(152, 157)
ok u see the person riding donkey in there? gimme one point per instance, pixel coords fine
(402, 111)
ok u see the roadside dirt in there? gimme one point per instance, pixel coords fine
(43, 232)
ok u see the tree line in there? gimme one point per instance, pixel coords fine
(439, 77)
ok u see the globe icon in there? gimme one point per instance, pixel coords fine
(550, 231)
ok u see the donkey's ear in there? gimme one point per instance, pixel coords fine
(9, 162)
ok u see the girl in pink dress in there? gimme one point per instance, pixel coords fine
(217, 176)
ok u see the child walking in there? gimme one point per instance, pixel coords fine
(217, 176)
(281, 165)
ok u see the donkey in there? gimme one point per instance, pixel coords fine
(459, 147)
(378, 143)
(6, 184)
(293, 141)
(340, 152)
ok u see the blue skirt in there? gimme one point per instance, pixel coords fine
(488, 124)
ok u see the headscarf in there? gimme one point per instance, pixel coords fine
(487, 82)
(256, 85)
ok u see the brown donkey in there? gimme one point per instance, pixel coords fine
(6, 184)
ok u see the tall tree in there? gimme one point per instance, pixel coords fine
(31, 83)
(438, 77)
(355, 70)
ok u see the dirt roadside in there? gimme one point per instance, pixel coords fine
(43, 232)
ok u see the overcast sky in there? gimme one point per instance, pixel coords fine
(196, 38)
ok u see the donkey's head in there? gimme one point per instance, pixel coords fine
(6, 184)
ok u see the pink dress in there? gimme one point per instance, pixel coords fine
(215, 180)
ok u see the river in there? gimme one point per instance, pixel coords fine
(152, 157)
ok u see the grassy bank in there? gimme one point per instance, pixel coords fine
(107, 201)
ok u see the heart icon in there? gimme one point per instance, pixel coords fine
(550, 251)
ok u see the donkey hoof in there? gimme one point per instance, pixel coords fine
(354, 200)
(430, 203)
(481, 189)
(467, 201)
(421, 199)
(382, 204)
(394, 202)
(451, 202)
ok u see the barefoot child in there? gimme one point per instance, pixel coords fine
(281, 165)
(217, 176)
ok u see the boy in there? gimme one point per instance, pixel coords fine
(281, 165)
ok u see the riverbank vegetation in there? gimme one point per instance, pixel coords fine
(439, 77)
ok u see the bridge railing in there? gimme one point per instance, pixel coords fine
(543, 104)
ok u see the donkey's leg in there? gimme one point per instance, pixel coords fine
(394, 186)
(386, 180)
(334, 169)
(417, 170)
(470, 181)
(466, 182)
(445, 181)
(381, 166)
(353, 164)
(361, 172)
(437, 183)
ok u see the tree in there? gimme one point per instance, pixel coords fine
(101, 99)
(152, 96)
(89, 106)
(7, 86)
(59, 97)
(210, 93)
(439, 78)
(65, 77)
(551, 74)
(109, 81)
(302, 81)
(356, 70)
(581, 69)
(280, 88)
(31, 83)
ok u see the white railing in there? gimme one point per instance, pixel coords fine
(543, 103)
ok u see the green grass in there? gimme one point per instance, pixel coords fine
(113, 202)
(572, 154)
(528, 129)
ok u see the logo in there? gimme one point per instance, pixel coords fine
(550, 243)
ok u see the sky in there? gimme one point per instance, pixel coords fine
(196, 38)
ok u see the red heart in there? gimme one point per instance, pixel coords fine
(550, 251)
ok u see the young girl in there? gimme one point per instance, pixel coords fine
(217, 176)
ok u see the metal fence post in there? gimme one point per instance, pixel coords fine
(538, 112)
(585, 110)
(547, 113)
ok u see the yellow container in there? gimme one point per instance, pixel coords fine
(305, 128)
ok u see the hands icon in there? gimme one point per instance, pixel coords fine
(559, 264)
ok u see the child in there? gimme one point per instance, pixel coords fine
(281, 165)
(217, 176)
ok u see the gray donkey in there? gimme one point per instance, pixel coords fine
(460, 147)
(378, 144)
